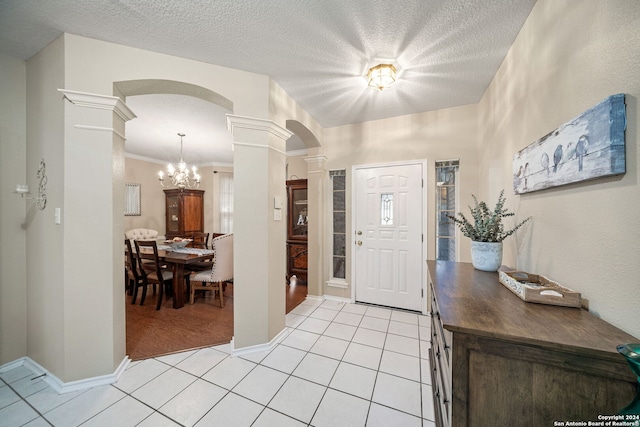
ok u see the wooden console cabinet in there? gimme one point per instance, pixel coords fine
(184, 212)
(297, 225)
(499, 361)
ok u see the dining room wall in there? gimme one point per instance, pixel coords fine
(152, 200)
(145, 173)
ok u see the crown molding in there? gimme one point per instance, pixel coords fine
(101, 102)
(242, 122)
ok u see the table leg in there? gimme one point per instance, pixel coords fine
(178, 285)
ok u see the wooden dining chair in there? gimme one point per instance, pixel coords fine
(221, 272)
(132, 273)
(199, 240)
(152, 270)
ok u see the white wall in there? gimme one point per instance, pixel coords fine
(569, 56)
(13, 272)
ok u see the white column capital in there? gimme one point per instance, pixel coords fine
(235, 123)
(101, 102)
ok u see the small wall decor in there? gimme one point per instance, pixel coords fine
(590, 146)
(132, 199)
(41, 198)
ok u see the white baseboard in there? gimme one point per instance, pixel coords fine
(259, 347)
(60, 386)
(314, 298)
(339, 299)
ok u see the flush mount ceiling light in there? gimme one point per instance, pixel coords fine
(381, 76)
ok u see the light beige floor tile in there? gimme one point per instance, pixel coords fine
(398, 393)
(283, 358)
(229, 372)
(164, 387)
(271, 418)
(381, 416)
(363, 355)
(125, 412)
(338, 409)
(354, 380)
(400, 365)
(201, 361)
(298, 398)
(330, 347)
(193, 402)
(232, 410)
(85, 406)
(261, 384)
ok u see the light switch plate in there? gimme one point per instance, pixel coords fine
(277, 202)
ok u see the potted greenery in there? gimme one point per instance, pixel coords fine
(486, 233)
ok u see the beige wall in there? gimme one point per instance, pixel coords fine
(13, 272)
(569, 56)
(436, 135)
(45, 240)
(296, 167)
(152, 203)
(61, 325)
(145, 173)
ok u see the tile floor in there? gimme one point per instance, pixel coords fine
(340, 365)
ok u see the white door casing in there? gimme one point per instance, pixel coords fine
(388, 235)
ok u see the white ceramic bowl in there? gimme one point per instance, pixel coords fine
(179, 245)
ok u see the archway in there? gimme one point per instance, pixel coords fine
(182, 323)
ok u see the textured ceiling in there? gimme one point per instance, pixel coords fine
(446, 51)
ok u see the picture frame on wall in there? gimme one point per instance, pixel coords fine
(590, 146)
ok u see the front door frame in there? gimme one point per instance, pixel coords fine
(352, 240)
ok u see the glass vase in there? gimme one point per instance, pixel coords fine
(631, 352)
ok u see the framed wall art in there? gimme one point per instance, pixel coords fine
(590, 146)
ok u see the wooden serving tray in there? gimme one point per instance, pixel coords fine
(536, 288)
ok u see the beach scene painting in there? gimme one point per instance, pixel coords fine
(590, 146)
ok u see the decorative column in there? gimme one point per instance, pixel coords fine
(259, 217)
(93, 206)
(315, 196)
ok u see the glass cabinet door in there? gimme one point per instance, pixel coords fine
(173, 214)
(299, 212)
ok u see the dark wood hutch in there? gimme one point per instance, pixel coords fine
(297, 226)
(184, 212)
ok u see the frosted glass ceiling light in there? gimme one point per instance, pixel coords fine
(381, 76)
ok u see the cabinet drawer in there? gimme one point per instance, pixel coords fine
(445, 337)
(441, 388)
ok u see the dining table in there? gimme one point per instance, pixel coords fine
(178, 259)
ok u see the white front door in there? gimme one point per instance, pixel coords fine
(388, 218)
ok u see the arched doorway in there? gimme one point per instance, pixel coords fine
(164, 108)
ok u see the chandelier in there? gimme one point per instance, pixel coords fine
(181, 177)
(381, 76)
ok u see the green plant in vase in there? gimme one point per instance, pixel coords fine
(486, 232)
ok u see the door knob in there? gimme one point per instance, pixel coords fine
(359, 233)
(359, 243)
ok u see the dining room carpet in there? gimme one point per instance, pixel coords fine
(152, 333)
